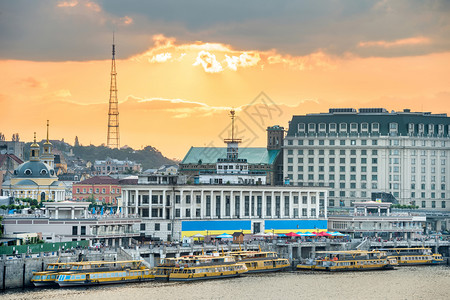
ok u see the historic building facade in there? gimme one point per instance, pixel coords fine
(36, 178)
(100, 188)
(170, 210)
(357, 153)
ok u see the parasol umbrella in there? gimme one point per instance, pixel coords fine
(292, 234)
(198, 235)
(307, 234)
(224, 236)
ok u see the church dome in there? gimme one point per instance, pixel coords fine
(34, 169)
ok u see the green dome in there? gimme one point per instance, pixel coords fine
(34, 169)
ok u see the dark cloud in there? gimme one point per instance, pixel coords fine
(39, 30)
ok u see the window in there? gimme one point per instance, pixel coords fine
(157, 227)
(332, 127)
(393, 127)
(353, 127)
(375, 127)
(364, 127)
(342, 143)
(343, 127)
(311, 127)
(301, 127)
(322, 127)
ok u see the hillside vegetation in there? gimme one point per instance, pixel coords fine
(149, 157)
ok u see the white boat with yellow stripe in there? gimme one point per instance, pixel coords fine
(353, 260)
(98, 273)
(415, 256)
(203, 267)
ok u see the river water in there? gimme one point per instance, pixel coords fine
(424, 282)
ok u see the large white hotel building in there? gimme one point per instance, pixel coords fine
(371, 151)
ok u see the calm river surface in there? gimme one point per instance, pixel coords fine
(425, 282)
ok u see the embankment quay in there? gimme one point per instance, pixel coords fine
(290, 250)
(17, 272)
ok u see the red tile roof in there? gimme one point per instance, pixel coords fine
(100, 180)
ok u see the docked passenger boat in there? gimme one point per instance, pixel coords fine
(48, 277)
(96, 273)
(415, 256)
(355, 260)
(204, 267)
(260, 261)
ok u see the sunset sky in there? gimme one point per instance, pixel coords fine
(183, 64)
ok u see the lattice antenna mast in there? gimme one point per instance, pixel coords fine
(113, 112)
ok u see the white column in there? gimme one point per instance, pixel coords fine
(222, 205)
(213, 205)
(192, 204)
(317, 204)
(291, 205)
(181, 206)
(56, 213)
(125, 202)
(282, 205)
(232, 205)
(136, 201)
(325, 203)
(263, 205)
(202, 205)
(164, 202)
(251, 212)
(272, 205)
(241, 204)
(308, 205)
(72, 211)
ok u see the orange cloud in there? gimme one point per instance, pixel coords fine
(208, 61)
(246, 59)
(397, 43)
(126, 20)
(216, 57)
(93, 6)
(161, 57)
(72, 3)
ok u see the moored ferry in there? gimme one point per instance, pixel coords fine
(354, 260)
(105, 273)
(415, 256)
(48, 277)
(261, 261)
(204, 267)
(163, 270)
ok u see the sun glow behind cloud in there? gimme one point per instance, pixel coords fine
(170, 97)
(397, 43)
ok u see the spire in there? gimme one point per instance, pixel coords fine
(233, 143)
(47, 156)
(34, 150)
(48, 141)
(232, 140)
(113, 113)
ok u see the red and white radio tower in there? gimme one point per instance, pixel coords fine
(113, 113)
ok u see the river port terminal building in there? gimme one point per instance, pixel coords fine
(170, 209)
(370, 151)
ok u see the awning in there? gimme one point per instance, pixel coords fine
(292, 234)
(224, 236)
